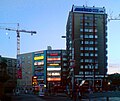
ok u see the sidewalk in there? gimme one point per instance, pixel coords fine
(61, 94)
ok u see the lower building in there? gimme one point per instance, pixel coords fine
(10, 70)
(46, 66)
(25, 71)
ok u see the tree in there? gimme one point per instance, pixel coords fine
(3, 71)
(3, 76)
(114, 80)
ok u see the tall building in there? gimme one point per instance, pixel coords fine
(86, 35)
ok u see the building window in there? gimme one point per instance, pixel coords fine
(81, 18)
(96, 48)
(86, 54)
(95, 30)
(96, 36)
(81, 60)
(96, 66)
(81, 24)
(81, 48)
(91, 54)
(91, 42)
(90, 48)
(64, 59)
(96, 54)
(86, 30)
(29, 57)
(80, 73)
(86, 60)
(90, 36)
(86, 36)
(86, 66)
(81, 54)
(86, 42)
(81, 36)
(81, 30)
(28, 62)
(86, 48)
(96, 42)
(86, 73)
(90, 30)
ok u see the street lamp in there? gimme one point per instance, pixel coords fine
(72, 61)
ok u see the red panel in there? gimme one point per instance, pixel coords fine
(54, 54)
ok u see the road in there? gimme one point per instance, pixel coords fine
(30, 97)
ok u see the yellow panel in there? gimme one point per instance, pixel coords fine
(39, 58)
(53, 64)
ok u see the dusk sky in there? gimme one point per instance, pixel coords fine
(48, 18)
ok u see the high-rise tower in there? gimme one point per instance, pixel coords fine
(86, 41)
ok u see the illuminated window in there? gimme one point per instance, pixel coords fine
(81, 48)
(80, 72)
(81, 60)
(81, 30)
(53, 69)
(81, 54)
(86, 42)
(53, 79)
(86, 54)
(90, 36)
(81, 66)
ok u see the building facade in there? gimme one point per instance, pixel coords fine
(10, 70)
(47, 66)
(25, 71)
(86, 41)
(56, 68)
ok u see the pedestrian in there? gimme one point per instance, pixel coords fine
(26, 91)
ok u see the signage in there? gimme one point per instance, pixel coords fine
(53, 69)
(51, 59)
(54, 54)
(38, 63)
(55, 64)
(38, 73)
(83, 9)
(38, 57)
(53, 79)
(53, 74)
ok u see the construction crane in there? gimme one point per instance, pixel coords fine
(18, 36)
(113, 18)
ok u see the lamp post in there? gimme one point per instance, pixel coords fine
(72, 62)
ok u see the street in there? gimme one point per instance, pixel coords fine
(30, 97)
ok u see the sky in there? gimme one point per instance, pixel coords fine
(48, 18)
